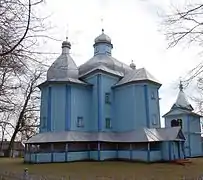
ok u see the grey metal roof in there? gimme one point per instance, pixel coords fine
(64, 81)
(139, 135)
(105, 69)
(106, 61)
(137, 75)
(64, 66)
(180, 111)
(181, 101)
(103, 38)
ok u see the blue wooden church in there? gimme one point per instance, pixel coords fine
(105, 109)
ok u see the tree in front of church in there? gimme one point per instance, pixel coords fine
(184, 26)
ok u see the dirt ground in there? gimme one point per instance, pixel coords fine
(109, 170)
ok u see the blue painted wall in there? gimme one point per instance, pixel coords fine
(190, 128)
(125, 108)
(62, 104)
(102, 84)
(81, 106)
(107, 109)
(154, 109)
(93, 121)
(135, 107)
(58, 107)
(43, 109)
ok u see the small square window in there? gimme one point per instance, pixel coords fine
(80, 122)
(108, 123)
(153, 95)
(107, 98)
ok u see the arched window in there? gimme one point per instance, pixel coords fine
(174, 123)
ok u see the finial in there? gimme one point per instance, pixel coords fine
(181, 86)
(67, 32)
(132, 65)
(102, 22)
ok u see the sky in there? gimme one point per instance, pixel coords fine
(134, 27)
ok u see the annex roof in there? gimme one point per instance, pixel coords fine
(137, 75)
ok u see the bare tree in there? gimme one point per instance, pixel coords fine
(184, 26)
(26, 113)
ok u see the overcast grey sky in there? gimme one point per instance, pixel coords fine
(133, 26)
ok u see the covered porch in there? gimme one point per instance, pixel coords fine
(147, 145)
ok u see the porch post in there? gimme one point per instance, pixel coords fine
(98, 150)
(88, 148)
(66, 152)
(117, 149)
(131, 152)
(52, 152)
(148, 152)
(169, 150)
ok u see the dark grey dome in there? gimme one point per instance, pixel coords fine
(64, 67)
(102, 38)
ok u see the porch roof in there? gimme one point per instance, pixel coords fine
(138, 135)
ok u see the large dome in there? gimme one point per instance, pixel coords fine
(64, 67)
(107, 61)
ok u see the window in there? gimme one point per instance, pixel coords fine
(174, 123)
(108, 123)
(153, 95)
(107, 98)
(80, 122)
(154, 119)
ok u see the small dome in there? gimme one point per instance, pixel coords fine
(103, 38)
(64, 66)
(132, 65)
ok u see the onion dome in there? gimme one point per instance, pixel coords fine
(103, 38)
(64, 66)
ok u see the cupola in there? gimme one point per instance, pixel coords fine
(64, 66)
(102, 44)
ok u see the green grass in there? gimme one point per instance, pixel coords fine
(116, 170)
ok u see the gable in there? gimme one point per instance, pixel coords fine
(179, 111)
(175, 112)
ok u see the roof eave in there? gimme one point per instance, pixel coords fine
(83, 76)
(136, 81)
(60, 82)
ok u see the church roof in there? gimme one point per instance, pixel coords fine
(104, 69)
(103, 60)
(180, 111)
(65, 80)
(137, 75)
(138, 135)
(181, 101)
(64, 66)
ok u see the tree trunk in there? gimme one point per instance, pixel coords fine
(17, 128)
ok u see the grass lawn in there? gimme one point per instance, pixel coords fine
(115, 170)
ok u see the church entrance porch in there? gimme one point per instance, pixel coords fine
(98, 151)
